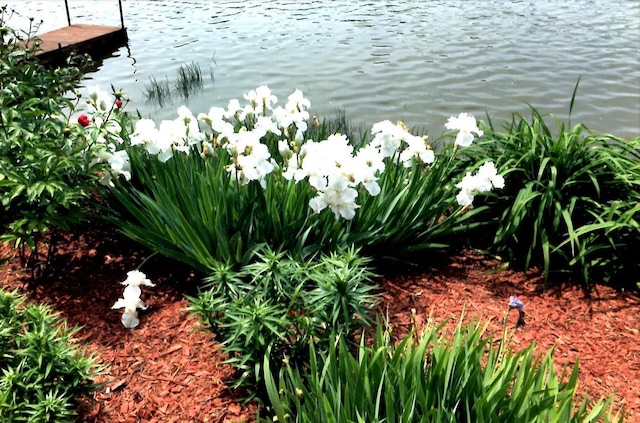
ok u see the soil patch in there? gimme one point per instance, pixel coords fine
(167, 370)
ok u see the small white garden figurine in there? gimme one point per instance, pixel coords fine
(130, 300)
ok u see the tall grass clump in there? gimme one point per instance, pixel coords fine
(429, 377)
(571, 198)
(44, 374)
(189, 79)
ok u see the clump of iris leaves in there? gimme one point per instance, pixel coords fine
(291, 297)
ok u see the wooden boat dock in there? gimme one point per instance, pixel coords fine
(96, 40)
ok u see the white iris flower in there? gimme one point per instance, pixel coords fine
(130, 300)
(466, 126)
(484, 180)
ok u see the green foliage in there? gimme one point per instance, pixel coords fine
(191, 209)
(45, 163)
(570, 202)
(43, 373)
(278, 304)
(429, 377)
(189, 79)
(415, 211)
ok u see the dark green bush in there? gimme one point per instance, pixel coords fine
(44, 374)
(570, 202)
(45, 162)
(280, 305)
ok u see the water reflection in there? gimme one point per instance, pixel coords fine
(411, 60)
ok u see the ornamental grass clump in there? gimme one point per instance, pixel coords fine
(216, 187)
(44, 374)
(428, 376)
(571, 200)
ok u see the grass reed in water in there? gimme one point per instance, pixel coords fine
(187, 83)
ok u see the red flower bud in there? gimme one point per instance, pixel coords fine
(84, 120)
(118, 104)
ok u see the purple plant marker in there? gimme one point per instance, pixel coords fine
(514, 302)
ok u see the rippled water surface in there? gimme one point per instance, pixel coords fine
(411, 60)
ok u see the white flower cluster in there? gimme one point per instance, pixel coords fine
(172, 135)
(130, 300)
(392, 138)
(331, 166)
(483, 181)
(487, 176)
(334, 169)
(251, 160)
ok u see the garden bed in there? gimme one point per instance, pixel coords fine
(167, 371)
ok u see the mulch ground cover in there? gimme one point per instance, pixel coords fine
(167, 370)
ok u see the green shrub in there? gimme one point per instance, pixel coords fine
(278, 304)
(44, 374)
(46, 168)
(570, 202)
(428, 377)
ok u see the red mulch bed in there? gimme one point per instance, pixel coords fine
(166, 370)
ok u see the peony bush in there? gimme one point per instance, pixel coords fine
(47, 170)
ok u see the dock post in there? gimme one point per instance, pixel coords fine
(66, 6)
(121, 16)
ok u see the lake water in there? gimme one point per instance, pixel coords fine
(417, 61)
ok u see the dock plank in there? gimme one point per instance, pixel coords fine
(93, 39)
